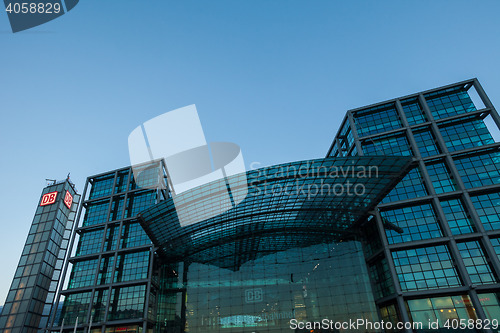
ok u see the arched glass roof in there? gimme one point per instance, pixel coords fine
(288, 205)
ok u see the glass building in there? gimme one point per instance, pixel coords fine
(29, 303)
(437, 251)
(291, 249)
(110, 273)
(399, 222)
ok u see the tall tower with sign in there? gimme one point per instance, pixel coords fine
(29, 303)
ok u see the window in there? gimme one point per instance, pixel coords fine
(95, 213)
(132, 266)
(413, 111)
(412, 186)
(441, 309)
(441, 178)
(426, 143)
(389, 145)
(476, 263)
(102, 186)
(90, 242)
(449, 102)
(458, 220)
(416, 222)
(425, 268)
(488, 208)
(466, 134)
(479, 170)
(127, 303)
(378, 119)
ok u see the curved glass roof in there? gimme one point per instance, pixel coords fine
(288, 205)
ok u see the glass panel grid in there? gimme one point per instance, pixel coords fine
(476, 263)
(137, 202)
(411, 186)
(133, 235)
(463, 135)
(377, 119)
(127, 303)
(132, 266)
(442, 309)
(90, 242)
(495, 242)
(105, 270)
(425, 268)
(458, 219)
(96, 213)
(491, 304)
(441, 178)
(83, 274)
(417, 223)
(449, 102)
(264, 215)
(426, 143)
(390, 145)
(121, 181)
(488, 208)
(479, 170)
(413, 111)
(75, 305)
(381, 277)
(102, 186)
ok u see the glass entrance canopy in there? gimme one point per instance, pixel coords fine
(285, 206)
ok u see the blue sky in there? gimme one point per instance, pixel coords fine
(276, 77)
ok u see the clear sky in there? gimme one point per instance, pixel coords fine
(275, 77)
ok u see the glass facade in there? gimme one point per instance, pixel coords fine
(29, 303)
(420, 244)
(110, 271)
(311, 283)
(439, 254)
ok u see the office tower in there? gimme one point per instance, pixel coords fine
(110, 271)
(438, 252)
(29, 303)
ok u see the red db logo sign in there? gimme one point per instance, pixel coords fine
(68, 199)
(49, 198)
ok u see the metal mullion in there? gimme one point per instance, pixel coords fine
(400, 303)
(487, 102)
(110, 289)
(354, 131)
(335, 140)
(92, 294)
(148, 289)
(458, 117)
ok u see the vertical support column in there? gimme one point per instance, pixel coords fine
(148, 289)
(184, 295)
(114, 255)
(354, 132)
(486, 102)
(455, 253)
(99, 258)
(387, 253)
(490, 251)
